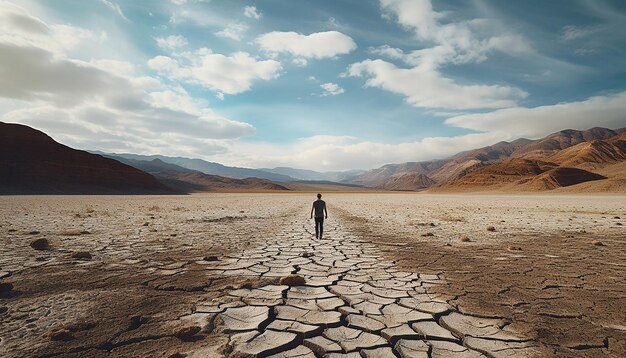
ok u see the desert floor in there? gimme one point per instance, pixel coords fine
(405, 275)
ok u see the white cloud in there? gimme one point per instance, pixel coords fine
(423, 84)
(252, 12)
(115, 7)
(102, 103)
(226, 74)
(171, 42)
(233, 32)
(572, 32)
(331, 89)
(20, 28)
(300, 62)
(316, 45)
(425, 87)
(600, 111)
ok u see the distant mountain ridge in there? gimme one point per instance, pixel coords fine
(190, 181)
(204, 166)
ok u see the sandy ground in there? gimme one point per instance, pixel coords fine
(553, 266)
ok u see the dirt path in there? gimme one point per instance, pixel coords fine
(354, 302)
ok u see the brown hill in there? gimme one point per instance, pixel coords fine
(589, 149)
(33, 163)
(499, 174)
(560, 177)
(407, 182)
(377, 177)
(592, 154)
(562, 140)
(615, 182)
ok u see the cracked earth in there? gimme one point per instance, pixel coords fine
(200, 276)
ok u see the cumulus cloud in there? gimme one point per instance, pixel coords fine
(599, 111)
(252, 12)
(233, 32)
(19, 27)
(331, 89)
(317, 45)
(427, 88)
(172, 42)
(224, 74)
(423, 84)
(99, 104)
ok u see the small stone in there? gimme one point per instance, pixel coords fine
(307, 254)
(40, 244)
(61, 334)
(616, 217)
(292, 280)
(186, 333)
(6, 287)
(465, 239)
(491, 228)
(146, 223)
(211, 258)
(81, 255)
(515, 248)
(85, 232)
(173, 235)
(34, 232)
(136, 322)
(597, 243)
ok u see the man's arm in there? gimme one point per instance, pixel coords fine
(325, 211)
(312, 208)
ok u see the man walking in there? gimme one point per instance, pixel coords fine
(319, 206)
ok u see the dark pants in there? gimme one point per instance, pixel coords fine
(319, 227)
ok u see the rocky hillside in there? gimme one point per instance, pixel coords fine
(512, 165)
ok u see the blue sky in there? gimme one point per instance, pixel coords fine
(326, 85)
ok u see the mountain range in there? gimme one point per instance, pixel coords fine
(561, 159)
(589, 160)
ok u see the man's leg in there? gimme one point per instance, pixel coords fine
(317, 223)
(321, 227)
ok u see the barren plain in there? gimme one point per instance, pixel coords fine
(396, 275)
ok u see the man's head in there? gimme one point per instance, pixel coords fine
(319, 196)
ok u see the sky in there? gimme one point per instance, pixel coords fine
(316, 84)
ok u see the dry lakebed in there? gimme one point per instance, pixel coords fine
(242, 275)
